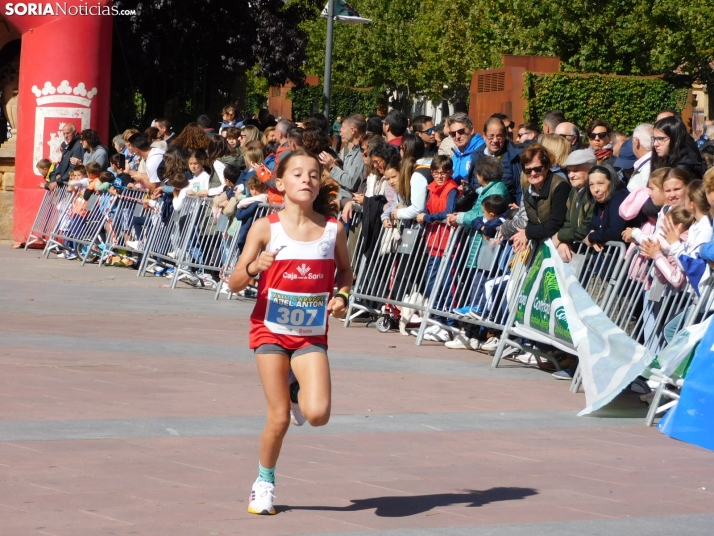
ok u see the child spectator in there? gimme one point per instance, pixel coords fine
(495, 210)
(392, 173)
(245, 213)
(232, 136)
(229, 118)
(117, 163)
(707, 250)
(489, 172)
(226, 202)
(78, 179)
(197, 165)
(269, 152)
(441, 201)
(45, 167)
(180, 183)
(677, 222)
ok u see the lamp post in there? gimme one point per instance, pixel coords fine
(328, 57)
(342, 11)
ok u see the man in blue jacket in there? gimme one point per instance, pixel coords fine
(499, 146)
(469, 147)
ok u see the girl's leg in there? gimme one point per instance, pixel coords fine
(312, 372)
(274, 370)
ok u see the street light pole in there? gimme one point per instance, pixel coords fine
(328, 57)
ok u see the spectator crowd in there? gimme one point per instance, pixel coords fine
(574, 184)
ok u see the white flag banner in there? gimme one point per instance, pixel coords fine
(553, 308)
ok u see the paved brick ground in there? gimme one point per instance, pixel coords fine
(129, 408)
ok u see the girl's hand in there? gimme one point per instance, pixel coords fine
(520, 241)
(358, 198)
(627, 234)
(420, 218)
(451, 220)
(649, 248)
(598, 247)
(347, 211)
(671, 232)
(264, 261)
(387, 224)
(223, 204)
(337, 307)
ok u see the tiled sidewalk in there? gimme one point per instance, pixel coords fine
(129, 408)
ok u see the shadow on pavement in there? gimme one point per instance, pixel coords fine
(404, 506)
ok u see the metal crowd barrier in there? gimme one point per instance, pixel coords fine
(475, 284)
(48, 215)
(81, 226)
(402, 268)
(208, 246)
(168, 236)
(129, 225)
(231, 260)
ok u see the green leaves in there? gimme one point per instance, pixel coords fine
(344, 101)
(622, 100)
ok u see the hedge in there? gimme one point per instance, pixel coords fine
(624, 101)
(345, 101)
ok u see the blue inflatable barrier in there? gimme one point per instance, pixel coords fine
(692, 419)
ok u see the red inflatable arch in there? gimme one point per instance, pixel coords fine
(65, 66)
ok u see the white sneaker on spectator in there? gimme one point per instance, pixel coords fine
(461, 342)
(61, 255)
(510, 352)
(491, 345)
(133, 244)
(441, 335)
(430, 331)
(527, 358)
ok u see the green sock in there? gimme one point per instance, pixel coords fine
(266, 475)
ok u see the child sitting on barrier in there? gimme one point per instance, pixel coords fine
(45, 167)
(441, 201)
(225, 203)
(495, 211)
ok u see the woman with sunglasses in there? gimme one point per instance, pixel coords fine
(600, 137)
(544, 203)
(670, 148)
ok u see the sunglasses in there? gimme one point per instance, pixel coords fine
(534, 169)
(459, 132)
(601, 135)
(510, 124)
(429, 131)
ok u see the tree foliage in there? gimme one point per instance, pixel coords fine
(625, 101)
(185, 59)
(434, 46)
(343, 101)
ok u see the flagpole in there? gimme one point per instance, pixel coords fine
(328, 57)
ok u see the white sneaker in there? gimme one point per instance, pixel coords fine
(296, 416)
(527, 359)
(510, 352)
(261, 498)
(61, 255)
(437, 334)
(226, 290)
(133, 244)
(491, 345)
(430, 331)
(463, 343)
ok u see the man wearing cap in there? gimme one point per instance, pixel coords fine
(642, 149)
(580, 209)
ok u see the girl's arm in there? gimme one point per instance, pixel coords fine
(343, 279)
(418, 198)
(252, 259)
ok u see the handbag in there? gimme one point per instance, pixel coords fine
(389, 241)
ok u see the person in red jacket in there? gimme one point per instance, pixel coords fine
(440, 202)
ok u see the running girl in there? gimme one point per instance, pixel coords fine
(297, 253)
